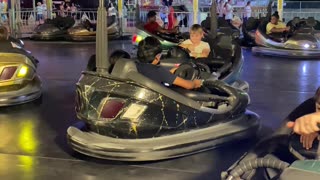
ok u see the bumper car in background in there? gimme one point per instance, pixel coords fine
(19, 82)
(55, 29)
(86, 31)
(249, 31)
(302, 42)
(280, 156)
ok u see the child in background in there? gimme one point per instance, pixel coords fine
(195, 45)
(39, 12)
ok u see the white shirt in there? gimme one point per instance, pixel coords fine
(247, 11)
(39, 9)
(229, 11)
(198, 49)
(2, 7)
(221, 9)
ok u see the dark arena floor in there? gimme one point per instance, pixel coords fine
(33, 142)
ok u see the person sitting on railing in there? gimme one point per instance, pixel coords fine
(195, 45)
(276, 28)
(149, 55)
(153, 27)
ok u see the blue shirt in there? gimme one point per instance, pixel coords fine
(156, 73)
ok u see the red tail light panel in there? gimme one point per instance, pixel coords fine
(8, 72)
(111, 108)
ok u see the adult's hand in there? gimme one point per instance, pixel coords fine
(306, 125)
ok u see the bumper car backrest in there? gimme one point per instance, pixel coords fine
(122, 68)
(178, 52)
(251, 24)
(222, 22)
(311, 22)
(225, 47)
(111, 20)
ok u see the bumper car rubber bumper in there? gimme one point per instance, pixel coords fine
(289, 53)
(48, 37)
(166, 147)
(90, 38)
(28, 93)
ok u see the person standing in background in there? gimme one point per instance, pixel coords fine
(247, 11)
(221, 8)
(228, 11)
(73, 10)
(171, 17)
(44, 9)
(39, 12)
(3, 12)
(164, 11)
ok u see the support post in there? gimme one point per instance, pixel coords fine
(280, 9)
(18, 18)
(214, 19)
(49, 8)
(120, 15)
(13, 17)
(195, 11)
(102, 60)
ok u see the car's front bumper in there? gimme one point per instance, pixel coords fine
(288, 53)
(26, 94)
(171, 146)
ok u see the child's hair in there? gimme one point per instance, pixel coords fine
(148, 49)
(3, 33)
(151, 14)
(196, 28)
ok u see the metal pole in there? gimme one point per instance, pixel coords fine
(14, 21)
(195, 11)
(137, 14)
(280, 9)
(120, 14)
(18, 14)
(49, 9)
(214, 19)
(102, 60)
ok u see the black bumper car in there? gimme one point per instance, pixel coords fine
(55, 29)
(86, 31)
(278, 157)
(301, 43)
(126, 116)
(19, 82)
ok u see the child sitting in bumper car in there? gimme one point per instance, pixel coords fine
(197, 48)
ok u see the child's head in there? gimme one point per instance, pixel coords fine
(149, 50)
(152, 16)
(39, 4)
(3, 33)
(196, 33)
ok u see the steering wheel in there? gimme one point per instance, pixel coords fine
(188, 71)
(192, 70)
(203, 67)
